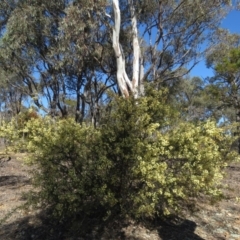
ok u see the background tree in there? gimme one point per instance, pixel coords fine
(227, 78)
(196, 99)
(63, 50)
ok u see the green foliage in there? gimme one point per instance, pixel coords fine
(50, 50)
(139, 162)
(159, 166)
(65, 153)
(229, 64)
(25, 116)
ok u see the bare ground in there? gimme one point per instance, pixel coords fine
(220, 221)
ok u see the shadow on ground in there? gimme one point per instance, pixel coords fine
(13, 180)
(40, 227)
(181, 231)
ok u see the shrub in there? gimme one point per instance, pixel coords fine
(65, 155)
(160, 164)
(140, 162)
(13, 131)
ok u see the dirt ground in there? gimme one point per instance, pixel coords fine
(220, 221)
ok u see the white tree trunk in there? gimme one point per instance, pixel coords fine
(124, 83)
(141, 83)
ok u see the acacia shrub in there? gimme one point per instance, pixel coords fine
(158, 163)
(141, 161)
(13, 133)
(68, 161)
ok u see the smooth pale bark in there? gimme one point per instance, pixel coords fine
(136, 50)
(141, 82)
(125, 85)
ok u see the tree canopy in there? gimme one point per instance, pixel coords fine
(56, 52)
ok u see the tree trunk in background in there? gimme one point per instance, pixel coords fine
(238, 130)
(126, 86)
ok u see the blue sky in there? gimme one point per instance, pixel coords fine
(232, 23)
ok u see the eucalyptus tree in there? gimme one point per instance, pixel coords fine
(224, 60)
(226, 65)
(76, 50)
(26, 45)
(52, 57)
(195, 99)
(11, 98)
(187, 95)
(166, 38)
